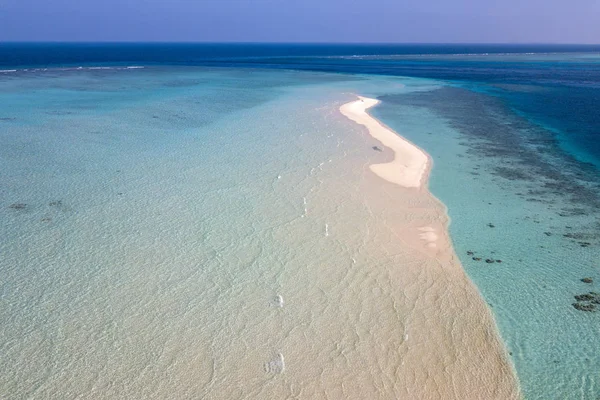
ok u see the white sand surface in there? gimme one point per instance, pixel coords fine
(410, 163)
(451, 347)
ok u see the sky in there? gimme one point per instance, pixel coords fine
(397, 21)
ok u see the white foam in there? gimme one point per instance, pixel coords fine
(279, 301)
(276, 365)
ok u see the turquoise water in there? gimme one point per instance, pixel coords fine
(514, 196)
(184, 233)
(138, 204)
(139, 198)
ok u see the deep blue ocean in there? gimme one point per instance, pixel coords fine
(119, 155)
(568, 74)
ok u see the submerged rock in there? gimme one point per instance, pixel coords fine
(584, 307)
(585, 297)
(587, 301)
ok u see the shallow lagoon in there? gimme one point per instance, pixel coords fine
(123, 173)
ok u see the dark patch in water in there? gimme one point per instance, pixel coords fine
(532, 192)
(516, 151)
(584, 307)
(572, 212)
(587, 301)
(59, 205)
(511, 174)
(580, 236)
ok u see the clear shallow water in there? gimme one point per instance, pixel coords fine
(109, 164)
(197, 234)
(544, 229)
(135, 229)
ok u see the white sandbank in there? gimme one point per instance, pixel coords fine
(454, 350)
(410, 163)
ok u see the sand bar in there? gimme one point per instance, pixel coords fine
(452, 348)
(410, 163)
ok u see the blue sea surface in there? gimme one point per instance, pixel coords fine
(514, 132)
(567, 76)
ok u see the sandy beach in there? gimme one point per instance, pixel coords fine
(409, 166)
(453, 350)
(296, 272)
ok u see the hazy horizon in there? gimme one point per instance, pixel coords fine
(311, 21)
(300, 43)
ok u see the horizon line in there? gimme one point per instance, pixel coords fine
(299, 43)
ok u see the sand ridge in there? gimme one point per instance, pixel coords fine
(410, 163)
(454, 350)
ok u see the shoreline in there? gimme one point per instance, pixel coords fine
(410, 166)
(472, 361)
